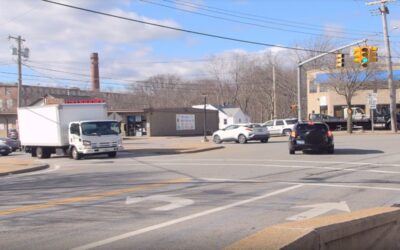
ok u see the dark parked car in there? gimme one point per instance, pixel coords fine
(5, 149)
(14, 144)
(13, 134)
(309, 135)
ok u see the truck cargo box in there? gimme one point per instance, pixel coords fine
(48, 125)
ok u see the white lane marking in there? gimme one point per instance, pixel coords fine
(289, 161)
(344, 186)
(319, 209)
(227, 180)
(175, 202)
(281, 166)
(182, 219)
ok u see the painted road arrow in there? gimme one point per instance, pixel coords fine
(175, 202)
(319, 209)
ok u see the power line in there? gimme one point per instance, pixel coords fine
(249, 23)
(183, 30)
(251, 16)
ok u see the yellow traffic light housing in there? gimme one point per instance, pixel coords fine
(364, 56)
(339, 60)
(373, 54)
(357, 55)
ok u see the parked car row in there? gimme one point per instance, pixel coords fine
(303, 135)
(9, 144)
(14, 144)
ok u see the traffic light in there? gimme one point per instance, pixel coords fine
(357, 55)
(373, 54)
(364, 56)
(339, 60)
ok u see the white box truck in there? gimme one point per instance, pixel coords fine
(77, 129)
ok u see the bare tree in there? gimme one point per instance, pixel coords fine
(347, 82)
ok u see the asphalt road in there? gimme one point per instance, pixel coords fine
(206, 200)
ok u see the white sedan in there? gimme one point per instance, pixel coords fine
(241, 133)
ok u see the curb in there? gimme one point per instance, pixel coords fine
(179, 151)
(200, 150)
(26, 170)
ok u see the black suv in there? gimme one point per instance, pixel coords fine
(308, 135)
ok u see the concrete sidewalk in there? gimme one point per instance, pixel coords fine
(169, 145)
(17, 164)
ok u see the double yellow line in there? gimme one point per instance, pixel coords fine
(90, 197)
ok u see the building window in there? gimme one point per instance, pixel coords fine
(323, 110)
(313, 86)
(338, 111)
(323, 87)
(8, 92)
(9, 103)
(225, 121)
(1, 104)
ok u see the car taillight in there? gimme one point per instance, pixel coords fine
(249, 129)
(293, 134)
(329, 133)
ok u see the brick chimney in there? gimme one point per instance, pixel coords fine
(94, 72)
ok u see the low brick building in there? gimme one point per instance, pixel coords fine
(135, 120)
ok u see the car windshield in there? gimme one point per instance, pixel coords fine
(100, 128)
(301, 128)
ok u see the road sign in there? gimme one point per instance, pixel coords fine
(372, 100)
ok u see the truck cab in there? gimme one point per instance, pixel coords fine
(94, 137)
(357, 113)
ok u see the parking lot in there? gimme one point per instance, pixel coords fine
(167, 197)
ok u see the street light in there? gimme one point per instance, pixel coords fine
(205, 119)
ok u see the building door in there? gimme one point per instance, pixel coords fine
(136, 125)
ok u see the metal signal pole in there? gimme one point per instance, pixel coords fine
(392, 88)
(299, 68)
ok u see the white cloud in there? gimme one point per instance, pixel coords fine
(58, 36)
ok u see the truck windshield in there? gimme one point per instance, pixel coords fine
(100, 128)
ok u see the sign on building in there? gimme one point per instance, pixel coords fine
(185, 122)
(372, 100)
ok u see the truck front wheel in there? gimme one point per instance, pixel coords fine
(75, 154)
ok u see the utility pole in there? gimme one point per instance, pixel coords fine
(205, 120)
(384, 10)
(274, 91)
(299, 67)
(19, 54)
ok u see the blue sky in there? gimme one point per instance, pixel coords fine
(61, 39)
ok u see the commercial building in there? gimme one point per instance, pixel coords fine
(323, 99)
(135, 120)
